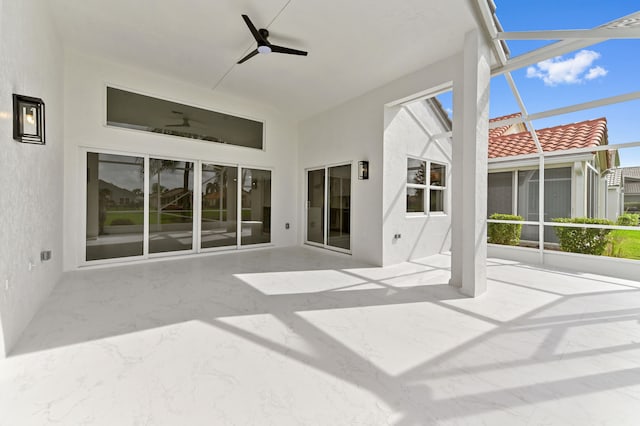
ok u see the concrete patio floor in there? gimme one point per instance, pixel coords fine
(302, 336)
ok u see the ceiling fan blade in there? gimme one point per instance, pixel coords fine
(249, 56)
(288, 51)
(253, 30)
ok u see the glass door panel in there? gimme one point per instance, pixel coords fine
(340, 207)
(219, 206)
(256, 206)
(170, 205)
(315, 206)
(115, 206)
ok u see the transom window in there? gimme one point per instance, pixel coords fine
(426, 184)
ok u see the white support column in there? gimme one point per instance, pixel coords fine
(470, 150)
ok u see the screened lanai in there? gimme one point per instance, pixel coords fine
(558, 68)
(376, 146)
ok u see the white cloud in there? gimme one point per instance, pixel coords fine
(567, 71)
(596, 72)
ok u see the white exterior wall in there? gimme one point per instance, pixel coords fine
(354, 131)
(407, 134)
(470, 152)
(85, 101)
(614, 202)
(579, 195)
(31, 175)
(603, 202)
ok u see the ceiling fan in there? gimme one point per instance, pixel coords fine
(264, 46)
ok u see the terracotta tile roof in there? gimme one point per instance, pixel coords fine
(576, 135)
(499, 131)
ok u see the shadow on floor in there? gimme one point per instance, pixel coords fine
(95, 304)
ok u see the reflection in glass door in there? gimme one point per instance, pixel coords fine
(170, 205)
(218, 218)
(115, 206)
(256, 206)
(329, 202)
(140, 206)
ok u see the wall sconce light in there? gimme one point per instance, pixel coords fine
(28, 119)
(363, 170)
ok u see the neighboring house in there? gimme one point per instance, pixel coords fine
(575, 184)
(624, 190)
(117, 196)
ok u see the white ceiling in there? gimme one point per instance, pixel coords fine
(354, 45)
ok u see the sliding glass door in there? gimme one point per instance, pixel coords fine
(170, 205)
(256, 206)
(219, 201)
(142, 206)
(315, 206)
(115, 206)
(329, 207)
(339, 200)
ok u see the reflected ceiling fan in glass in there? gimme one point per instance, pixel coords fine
(186, 120)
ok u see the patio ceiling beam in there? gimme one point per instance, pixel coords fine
(598, 33)
(568, 109)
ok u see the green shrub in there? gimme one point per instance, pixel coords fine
(628, 219)
(504, 233)
(583, 240)
(121, 222)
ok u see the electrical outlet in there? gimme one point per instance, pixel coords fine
(286, 225)
(31, 265)
(45, 255)
(6, 284)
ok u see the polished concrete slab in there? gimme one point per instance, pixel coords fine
(303, 336)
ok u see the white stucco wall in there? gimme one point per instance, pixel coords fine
(85, 82)
(407, 133)
(31, 175)
(614, 202)
(355, 131)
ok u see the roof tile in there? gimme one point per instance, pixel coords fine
(584, 134)
(499, 131)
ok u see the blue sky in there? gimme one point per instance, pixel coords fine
(595, 72)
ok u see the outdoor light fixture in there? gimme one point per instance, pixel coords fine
(363, 170)
(28, 119)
